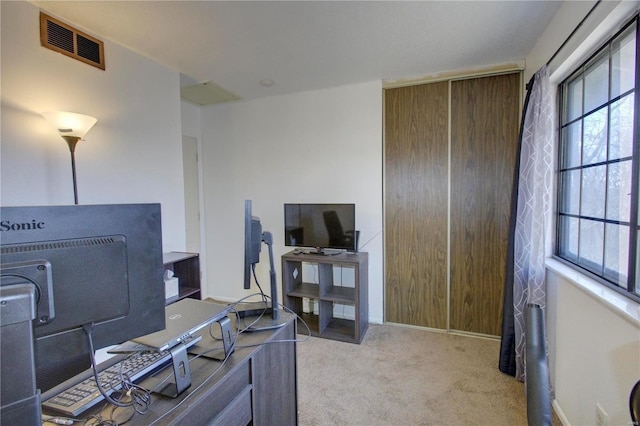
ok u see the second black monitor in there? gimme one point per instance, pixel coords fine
(320, 226)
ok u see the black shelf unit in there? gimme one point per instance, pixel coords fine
(325, 324)
(186, 267)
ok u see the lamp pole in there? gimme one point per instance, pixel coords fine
(72, 141)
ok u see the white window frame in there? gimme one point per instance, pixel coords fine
(629, 286)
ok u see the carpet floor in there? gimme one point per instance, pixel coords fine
(406, 376)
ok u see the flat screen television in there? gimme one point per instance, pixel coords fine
(90, 264)
(320, 226)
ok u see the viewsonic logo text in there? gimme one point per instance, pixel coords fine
(7, 225)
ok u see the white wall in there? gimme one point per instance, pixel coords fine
(594, 350)
(318, 146)
(192, 127)
(191, 120)
(561, 25)
(133, 154)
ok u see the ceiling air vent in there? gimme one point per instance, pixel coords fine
(63, 38)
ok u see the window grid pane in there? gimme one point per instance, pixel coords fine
(616, 254)
(568, 235)
(571, 189)
(572, 134)
(621, 128)
(596, 83)
(619, 191)
(593, 192)
(595, 184)
(573, 103)
(591, 249)
(623, 60)
(594, 139)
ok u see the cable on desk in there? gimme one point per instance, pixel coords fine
(139, 396)
(191, 392)
(255, 278)
(98, 420)
(296, 340)
(232, 305)
(223, 362)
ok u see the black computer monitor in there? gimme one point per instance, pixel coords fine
(252, 243)
(89, 264)
(253, 239)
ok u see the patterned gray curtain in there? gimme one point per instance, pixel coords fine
(531, 207)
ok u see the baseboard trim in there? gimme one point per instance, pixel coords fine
(560, 413)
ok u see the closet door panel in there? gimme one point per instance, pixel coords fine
(416, 173)
(484, 137)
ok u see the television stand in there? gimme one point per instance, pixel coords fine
(331, 296)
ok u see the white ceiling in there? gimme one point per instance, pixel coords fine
(306, 45)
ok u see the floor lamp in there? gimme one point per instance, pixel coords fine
(72, 127)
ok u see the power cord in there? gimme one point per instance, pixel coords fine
(139, 397)
(255, 278)
(234, 346)
(307, 336)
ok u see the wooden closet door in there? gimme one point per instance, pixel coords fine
(416, 173)
(484, 138)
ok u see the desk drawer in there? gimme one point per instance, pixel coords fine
(231, 386)
(216, 401)
(238, 413)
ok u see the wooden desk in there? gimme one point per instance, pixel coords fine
(256, 384)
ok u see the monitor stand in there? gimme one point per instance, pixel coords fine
(181, 373)
(270, 319)
(251, 309)
(180, 362)
(228, 343)
(264, 322)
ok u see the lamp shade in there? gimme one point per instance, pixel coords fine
(70, 123)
